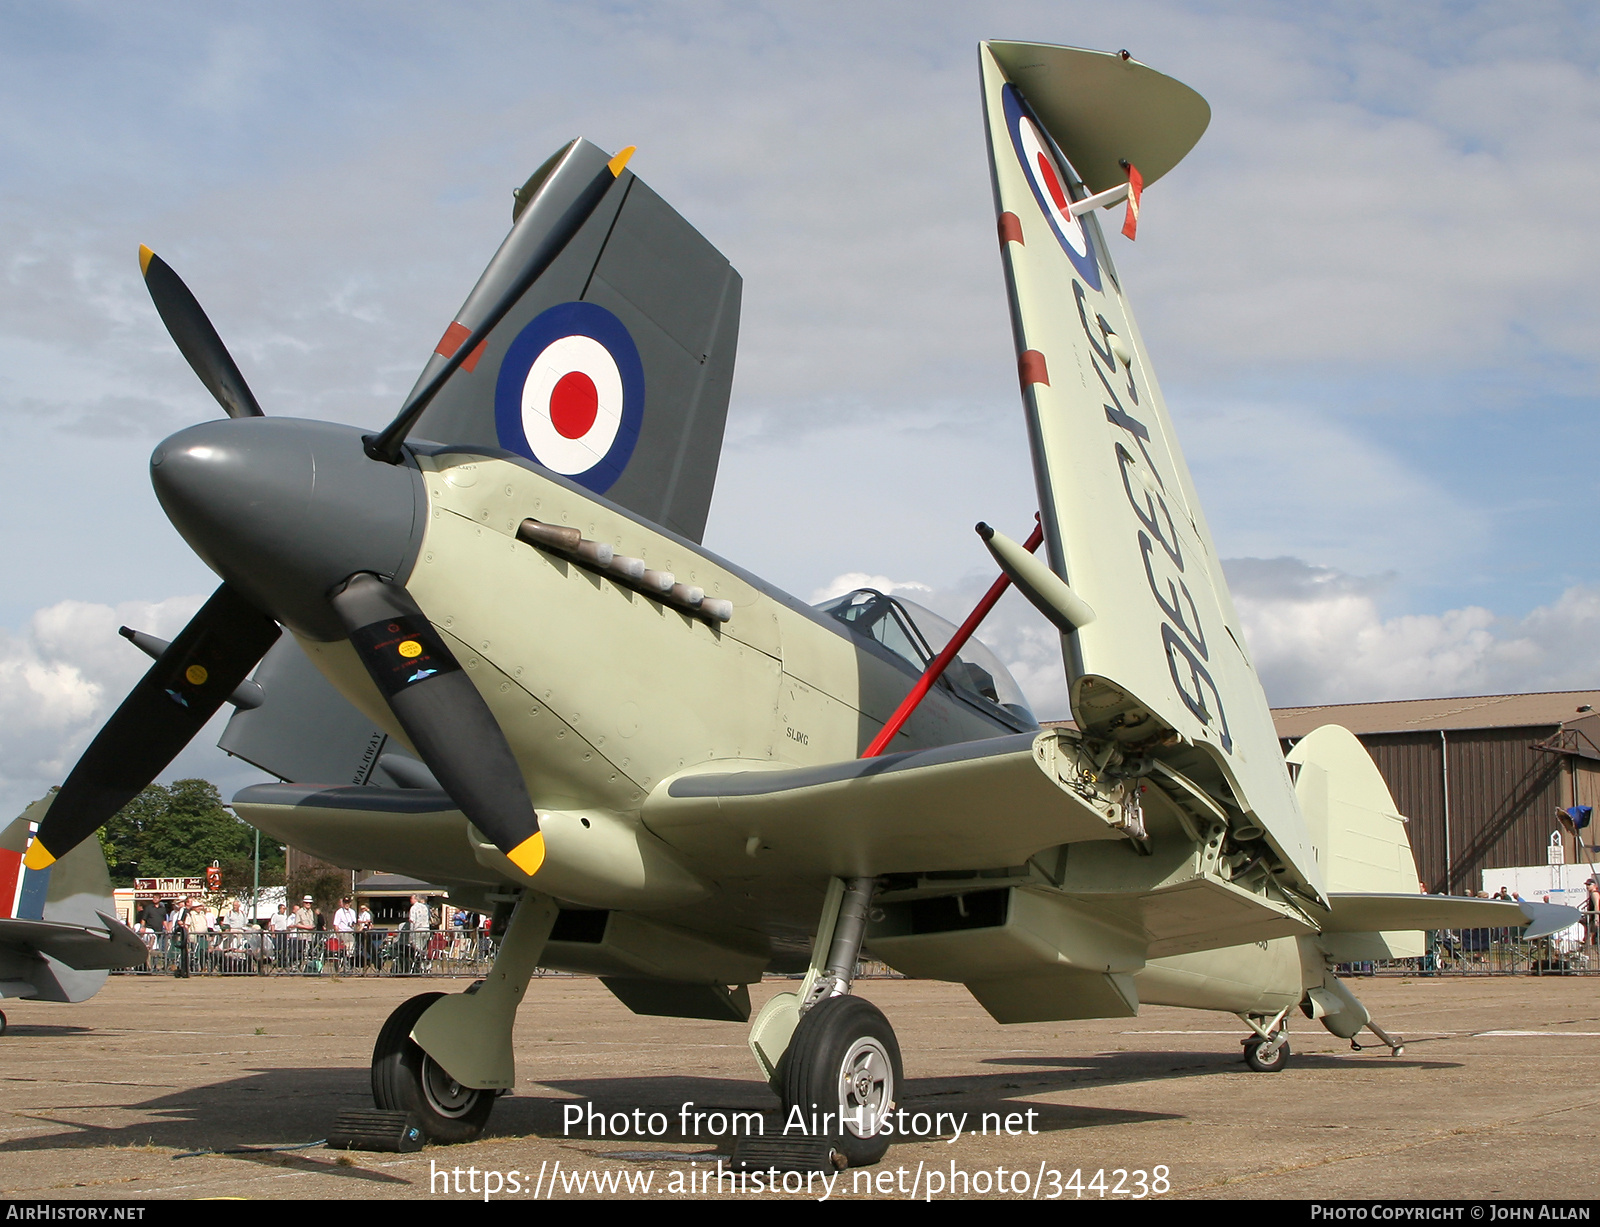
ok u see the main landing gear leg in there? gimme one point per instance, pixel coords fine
(833, 1058)
(1267, 1051)
(444, 1058)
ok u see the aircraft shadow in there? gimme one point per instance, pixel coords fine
(289, 1106)
(1105, 1068)
(15, 1030)
(273, 1107)
(971, 1094)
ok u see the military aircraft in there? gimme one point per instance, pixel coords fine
(512, 669)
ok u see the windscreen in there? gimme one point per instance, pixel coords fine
(917, 635)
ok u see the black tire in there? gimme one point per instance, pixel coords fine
(2, 1024)
(406, 1079)
(1275, 1062)
(842, 1060)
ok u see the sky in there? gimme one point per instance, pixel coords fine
(1369, 294)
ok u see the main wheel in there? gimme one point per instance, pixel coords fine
(842, 1070)
(406, 1079)
(1267, 1058)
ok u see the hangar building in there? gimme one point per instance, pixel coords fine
(1484, 780)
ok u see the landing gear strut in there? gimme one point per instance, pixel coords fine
(406, 1079)
(444, 1058)
(833, 1058)
(1267, 1051)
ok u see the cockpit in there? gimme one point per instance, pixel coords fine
(916, 635)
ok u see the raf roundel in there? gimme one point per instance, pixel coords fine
(1049, 184)
(570, 394)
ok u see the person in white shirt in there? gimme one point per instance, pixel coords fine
(278, 922)
(369, 945)
(344, 924)
(417, 922)
(344, 919)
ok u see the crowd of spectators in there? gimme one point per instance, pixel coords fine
(209, 934)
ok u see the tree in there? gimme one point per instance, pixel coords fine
(176, 831)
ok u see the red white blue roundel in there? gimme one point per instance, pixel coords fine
(1049, 185)
(570, 394)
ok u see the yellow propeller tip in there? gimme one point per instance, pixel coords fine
(145, 256)
(617, 163)
(529, 854)
(38, 857)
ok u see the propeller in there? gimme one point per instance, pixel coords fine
(202, 667)
(443, 715)
(197, 340)
(386, 446)
(182, 690)
(433, 699)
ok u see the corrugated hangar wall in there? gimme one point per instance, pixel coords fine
(1504, 795)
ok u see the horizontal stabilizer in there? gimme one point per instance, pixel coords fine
(1368, 913)
(976, 805)
(80, 947)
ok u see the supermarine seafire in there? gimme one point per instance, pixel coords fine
(512, 670)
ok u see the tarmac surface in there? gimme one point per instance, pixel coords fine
(1495, 1097)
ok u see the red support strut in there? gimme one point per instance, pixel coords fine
(957, 642)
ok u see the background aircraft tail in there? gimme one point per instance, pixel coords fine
(614, 368)
(58, 934)
(1359, 834)
(1155, 654)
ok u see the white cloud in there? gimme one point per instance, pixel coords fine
(851, 580)
(62, 677)
(1318, 636)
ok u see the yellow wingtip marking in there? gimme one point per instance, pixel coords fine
(38, 857)
(145, 256)
(617, 163)
(529, 854)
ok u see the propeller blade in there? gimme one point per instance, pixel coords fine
(171, 703)
(448, 723)
(197, 340)
(386, 446)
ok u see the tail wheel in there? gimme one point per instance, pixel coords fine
(1267, 1057)
(842, 1070)
(406, 1079)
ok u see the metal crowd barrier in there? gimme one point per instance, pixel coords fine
(377, 952)
(1489, 952)
(402, 952)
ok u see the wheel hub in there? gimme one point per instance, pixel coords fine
(444, 1094)
(866, 1085)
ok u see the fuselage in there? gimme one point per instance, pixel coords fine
(604, 690)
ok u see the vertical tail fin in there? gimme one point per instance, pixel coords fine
(614, 368)
(1163, 663)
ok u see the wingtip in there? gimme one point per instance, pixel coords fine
(145, 256)
(617, 163)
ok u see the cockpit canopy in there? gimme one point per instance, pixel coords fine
(917, 635)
